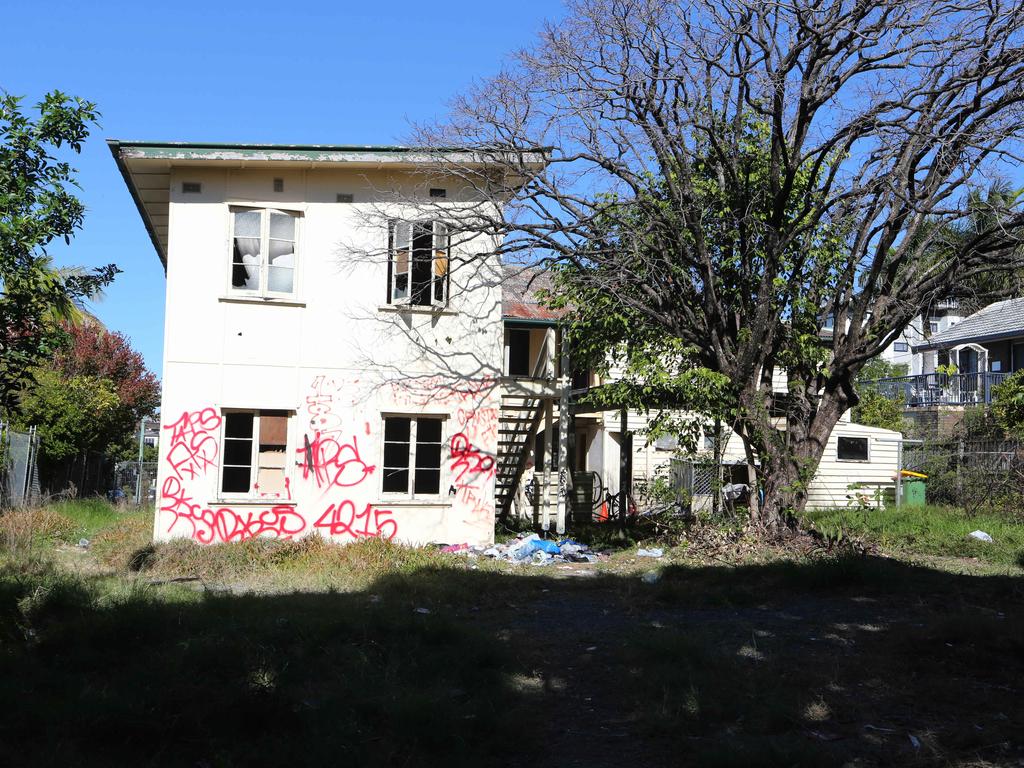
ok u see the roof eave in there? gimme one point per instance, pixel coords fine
(115, 149)
(969, 340)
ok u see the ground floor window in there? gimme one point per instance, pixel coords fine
(852, 448)
(255, 448)
(412, 455)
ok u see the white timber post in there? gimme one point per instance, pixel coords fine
(564, 477)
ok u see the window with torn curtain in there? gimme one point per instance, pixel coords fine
(255, 449)
(412, 455)
(418, 263)
(264, 251)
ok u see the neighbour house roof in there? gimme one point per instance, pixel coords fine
(1002, 320)
(519, 295)
(146, 166)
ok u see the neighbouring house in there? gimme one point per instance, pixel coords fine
(339, 358)
(911, 349)
(972, 357)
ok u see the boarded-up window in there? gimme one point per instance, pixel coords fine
(255, 453)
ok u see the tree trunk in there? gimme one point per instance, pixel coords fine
(788, 465)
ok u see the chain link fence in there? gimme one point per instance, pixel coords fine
(19, 467)
(134, 482)
(973, 474)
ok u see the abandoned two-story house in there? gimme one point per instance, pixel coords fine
(337, 361)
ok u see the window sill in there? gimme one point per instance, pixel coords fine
(247, 502)
(405, 501)
(261, 300)
(416, 309)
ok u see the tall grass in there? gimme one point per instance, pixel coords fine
(931, 530)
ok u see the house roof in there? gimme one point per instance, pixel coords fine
(146, 166)
(519, 299)
(1002, 320)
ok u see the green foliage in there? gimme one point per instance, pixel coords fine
(879, 368)
(72, 415)
(1008, 404)
(36, 208)
(877, 410)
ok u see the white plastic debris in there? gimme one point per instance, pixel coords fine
(651, 577)
(652, 552)
(83, 543)
(980, 536)
(423, 610)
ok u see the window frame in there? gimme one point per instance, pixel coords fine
(410, 490)
(441, 233)
(253, 495)
(900, 346)
(867, 447)
(264, 292)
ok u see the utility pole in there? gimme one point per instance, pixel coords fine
(138, 473)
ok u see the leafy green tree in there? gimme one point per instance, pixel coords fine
(37, 207)
(767, 166)
(877, 410)
(1008, 404)
(90, 396)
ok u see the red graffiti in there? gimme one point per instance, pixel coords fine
(441, 390)
(209, 526)
(466, 459)
(480, 424)
(343, 520)
(193, 449)
(333, 463)
(476, 508)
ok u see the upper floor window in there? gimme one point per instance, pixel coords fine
(418, 263)
(264, 245)
(901, 346)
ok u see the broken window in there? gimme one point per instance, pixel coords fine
(852, 448)
(255, 451)
(264, 250)
(418, 263)
(412, 455)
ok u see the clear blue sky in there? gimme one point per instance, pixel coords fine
(290, 73)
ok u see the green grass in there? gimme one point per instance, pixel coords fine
(929, 530)
(90, 516)
(305, 653)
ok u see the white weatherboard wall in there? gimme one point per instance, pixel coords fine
(335, 357)
(830, 486)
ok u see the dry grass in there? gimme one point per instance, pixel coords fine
(22, 530)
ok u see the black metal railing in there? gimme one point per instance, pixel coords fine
(938, 388)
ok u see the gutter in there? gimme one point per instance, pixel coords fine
(115, 149)
(970, 340)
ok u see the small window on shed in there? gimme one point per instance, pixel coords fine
(852, 448)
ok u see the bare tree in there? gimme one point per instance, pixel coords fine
(735, 173)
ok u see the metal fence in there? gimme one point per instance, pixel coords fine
(19, 467)
(134, 482)
(973, 474)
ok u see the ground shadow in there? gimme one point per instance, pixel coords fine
(816, 664)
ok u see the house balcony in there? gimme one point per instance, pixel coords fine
(934, 389)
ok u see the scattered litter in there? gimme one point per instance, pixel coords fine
(591, 648)
(531, 549)
(83, 543)
(914, 741)
(652, 552)
(422, 610)
(980, 536)
(651, 577)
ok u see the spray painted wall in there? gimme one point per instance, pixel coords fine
(332, 362)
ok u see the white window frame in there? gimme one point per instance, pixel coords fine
(441, 241)
(410, 491)
(900, 346)
(867, 441)
(264, 291)
(254, 456)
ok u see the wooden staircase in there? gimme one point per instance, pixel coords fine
(521, 416)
